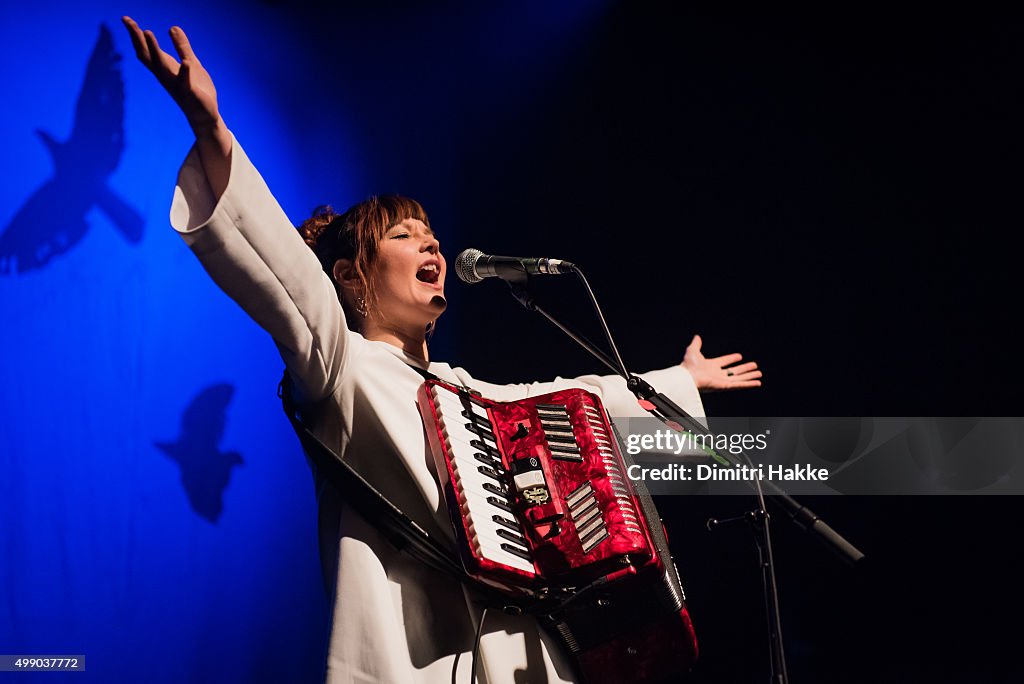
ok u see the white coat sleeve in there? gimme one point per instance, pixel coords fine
(257, 257)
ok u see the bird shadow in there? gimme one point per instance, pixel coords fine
(52, 221)
(205, 469)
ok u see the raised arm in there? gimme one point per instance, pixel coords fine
(675, 382)
(226, 214)
(682, 383)
(192, 88)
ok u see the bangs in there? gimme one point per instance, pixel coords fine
(395, 208)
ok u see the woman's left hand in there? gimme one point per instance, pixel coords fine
(719, 373)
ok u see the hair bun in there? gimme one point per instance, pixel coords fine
(313, 227)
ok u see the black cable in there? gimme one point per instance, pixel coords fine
(476, 644)
(604, 324)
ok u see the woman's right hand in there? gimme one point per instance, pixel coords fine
(192, 88)
(187, 81)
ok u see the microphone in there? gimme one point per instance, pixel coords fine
(472, 266)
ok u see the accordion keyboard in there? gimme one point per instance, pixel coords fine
(481, 482)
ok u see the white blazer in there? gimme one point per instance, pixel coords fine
(393, 620)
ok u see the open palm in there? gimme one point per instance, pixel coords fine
(187, 81)
(719, 373)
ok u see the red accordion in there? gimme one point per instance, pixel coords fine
(542, 507)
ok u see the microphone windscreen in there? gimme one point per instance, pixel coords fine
(465, 265)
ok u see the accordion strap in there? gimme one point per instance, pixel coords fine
(427, 375)
(399, 529)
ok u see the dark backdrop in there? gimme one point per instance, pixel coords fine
(835, 197)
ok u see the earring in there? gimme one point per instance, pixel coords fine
(361, 306)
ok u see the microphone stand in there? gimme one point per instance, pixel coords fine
(676, 418)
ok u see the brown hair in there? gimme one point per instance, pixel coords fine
(356, 235)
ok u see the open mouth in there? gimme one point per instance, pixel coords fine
(429, 273)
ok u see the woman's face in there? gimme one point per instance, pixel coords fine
(408, 276)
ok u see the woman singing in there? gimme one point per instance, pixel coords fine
(350, 317)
